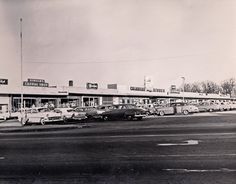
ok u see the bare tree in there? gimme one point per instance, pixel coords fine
(228, 86)
(210, 87)
(188, 87)
(196, 87)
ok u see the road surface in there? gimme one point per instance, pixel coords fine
(174, 150)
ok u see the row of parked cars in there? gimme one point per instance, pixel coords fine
(44, 115)
(184, 108)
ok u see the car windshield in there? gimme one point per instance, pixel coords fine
(57, 110)
(80, 110)
(70, 110)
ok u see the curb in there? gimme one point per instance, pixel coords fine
(42, 129)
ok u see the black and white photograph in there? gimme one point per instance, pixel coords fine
(117, 91)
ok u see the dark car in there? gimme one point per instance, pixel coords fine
(124, 111)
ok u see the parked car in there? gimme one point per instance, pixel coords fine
(4, 115)
(149, 109)
(208, 107)
(40, 115)
(165, 109)
(176, 108)
(233, 105)
(70, 114)
(97, 112)
(224, 106)
(124, 111)
(184, 108)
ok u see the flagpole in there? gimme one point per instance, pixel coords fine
(21, 68)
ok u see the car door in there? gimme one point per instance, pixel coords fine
(169, 109)
(119, 111)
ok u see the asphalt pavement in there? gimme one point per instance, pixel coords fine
(191, 149)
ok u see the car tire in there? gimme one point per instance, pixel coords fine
(22, 121)
(161, 113)
(104, 118)
(65, 119)
(210, 110)
(185, 112)
(139, 118)
(129, 117)
(42, 121)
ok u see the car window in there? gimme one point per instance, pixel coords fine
(57, 111)
(119, 107)
(33, 111)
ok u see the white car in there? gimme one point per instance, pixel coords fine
(4, 115)
(70, 114)
(40, 115)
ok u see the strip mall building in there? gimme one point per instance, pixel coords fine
(36, 92)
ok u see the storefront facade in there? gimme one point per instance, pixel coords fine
(5, 102)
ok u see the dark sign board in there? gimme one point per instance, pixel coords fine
(3, 81)
(36, 80)
(62, 92)
(71, 83)
(137, 88)
(35, 84)
(159, 90)
(92, 86)
(173, 87)
(112, 86)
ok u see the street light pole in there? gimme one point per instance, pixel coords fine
(183, 78)
(21, 68)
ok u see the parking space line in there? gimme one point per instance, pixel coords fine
(201, 170)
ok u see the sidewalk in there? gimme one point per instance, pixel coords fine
(9, 123)
(15, 126)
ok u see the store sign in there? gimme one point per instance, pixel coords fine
(159, 90)
(92, 86)
(63, 92)
(35, 83)
(36, 80)
(137, 88)
(3, 81)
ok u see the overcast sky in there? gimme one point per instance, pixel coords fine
(110, 41)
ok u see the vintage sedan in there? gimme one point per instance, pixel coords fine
(224, 106)
(208, 107)
(165, 109)
(233, 105)
(124, 111)
(176, 108)
(40, 115)
(184, 108)
(4, 115)
(96, 113)
(70, 114)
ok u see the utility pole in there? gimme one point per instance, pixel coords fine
(21, 68)
(183, 78)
